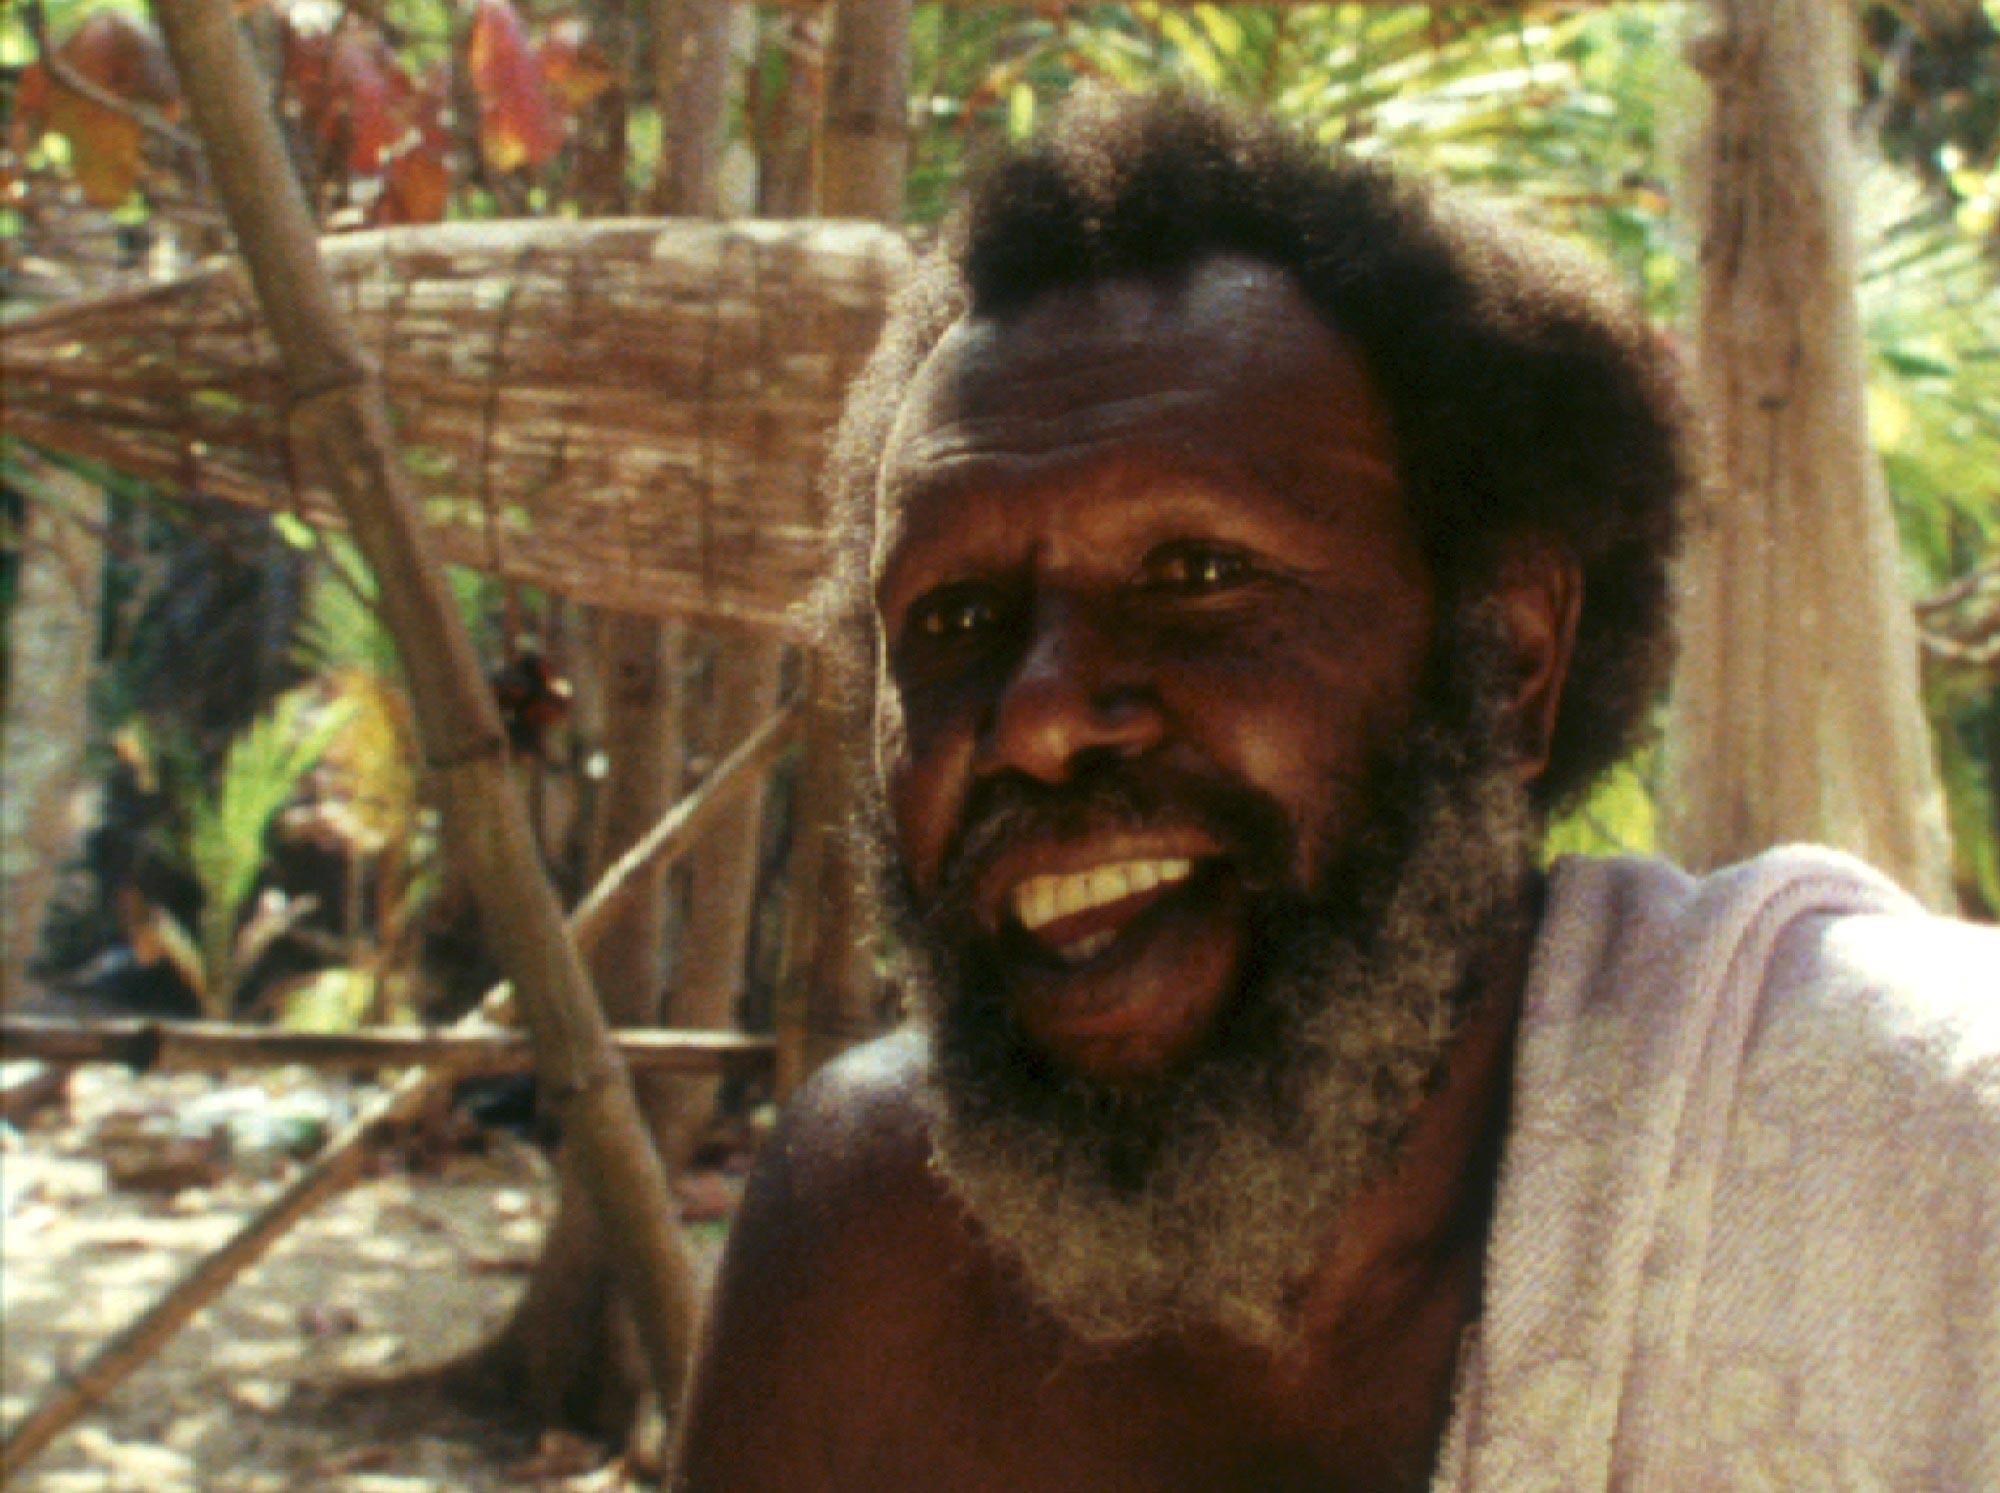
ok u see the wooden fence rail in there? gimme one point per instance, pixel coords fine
(210, 1045)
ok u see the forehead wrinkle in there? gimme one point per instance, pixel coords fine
(1012, 439)
(1269, 404)
(1187, 481)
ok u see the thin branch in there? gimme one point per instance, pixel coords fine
(62, 73)
(1981, 653)
(683, 823)
(1965, 586)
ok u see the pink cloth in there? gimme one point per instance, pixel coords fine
(1748, 1230)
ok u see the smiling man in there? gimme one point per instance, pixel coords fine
(1246, 553)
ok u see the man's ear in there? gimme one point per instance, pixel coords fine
(1539, 589)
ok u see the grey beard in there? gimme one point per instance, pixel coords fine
(1208, 1201)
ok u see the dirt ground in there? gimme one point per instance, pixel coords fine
(257, 1394)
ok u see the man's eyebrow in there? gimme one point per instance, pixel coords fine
(1197, 481)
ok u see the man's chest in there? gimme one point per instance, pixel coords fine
(975, 1410)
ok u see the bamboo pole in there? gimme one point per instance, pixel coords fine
(338, 416)
(211, 1046)
(340, 1163)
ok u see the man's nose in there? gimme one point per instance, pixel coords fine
(1074, 693)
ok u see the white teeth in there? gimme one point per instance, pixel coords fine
(1040, 900)
(1072, 895)
(1036, 901)
(1087, 948)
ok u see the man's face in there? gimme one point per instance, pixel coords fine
(1151, 612)
(1197, 807)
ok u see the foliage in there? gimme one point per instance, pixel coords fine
(227, 830)
(338, 999)
(371, 101)
(413, 110)
(1618, 817)
(517, 123)
(1931, 303)
(124, 58)
(368, 799)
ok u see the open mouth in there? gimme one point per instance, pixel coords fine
(1076, 916)
(1115, 952)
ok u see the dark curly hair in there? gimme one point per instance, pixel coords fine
(1527, 396)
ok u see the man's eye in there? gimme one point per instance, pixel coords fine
(952, 613)
(1196, 568)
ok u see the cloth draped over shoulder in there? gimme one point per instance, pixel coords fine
(1748, 1227)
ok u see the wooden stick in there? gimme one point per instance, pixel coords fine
(340, 1163)
(340, 423)
(213, 1045)
(683, 824)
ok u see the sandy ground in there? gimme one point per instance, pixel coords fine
(254, 1396)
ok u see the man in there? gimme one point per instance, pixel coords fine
(1248, 553)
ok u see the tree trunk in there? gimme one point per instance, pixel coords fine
(744, 690)
(785, 155)
(691, 38)
(569, 1352)
(601, 147)
(51, 642)
(1796, 712)
(863, 155)
(866, 136)
(566, 1355)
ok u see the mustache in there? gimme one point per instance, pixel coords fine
(1110, 795)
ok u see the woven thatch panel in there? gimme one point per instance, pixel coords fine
(632, 413)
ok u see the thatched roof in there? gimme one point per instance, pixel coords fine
(630, 413)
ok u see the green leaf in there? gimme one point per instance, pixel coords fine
(334, 1000)
(227, 827)
(1916, 364)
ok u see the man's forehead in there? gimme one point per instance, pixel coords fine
(1225, 319)
(1226, 364)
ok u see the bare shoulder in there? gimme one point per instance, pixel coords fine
(858, 1125)
(851, 1153)
(833, 1284)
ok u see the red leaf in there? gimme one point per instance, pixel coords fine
(416, 188)
(125, 59)
(517, 122)
(416, 181)
(575, 69)
(370, 99)
(307, 54)
(31, 109)
(350, 92)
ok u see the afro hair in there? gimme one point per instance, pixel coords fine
(1528, 398)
